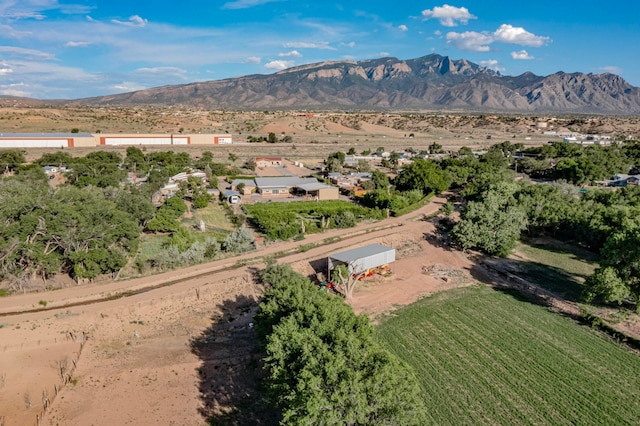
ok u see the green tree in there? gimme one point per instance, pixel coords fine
(324, 365)
(166, 219)
(618, 277)
(181, 238)
(435, 148)
(380, 180)
(11, 159)
(57, 158)
(333, 164)
(493, 224)
(363, 166)
(250, 164)
(424, 175)
(195, 189)
(135, 160)
(272, 138)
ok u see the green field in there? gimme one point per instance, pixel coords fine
(215, 218)
(558, 267)
(488, 357)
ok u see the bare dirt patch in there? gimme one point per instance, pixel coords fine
(421, 269)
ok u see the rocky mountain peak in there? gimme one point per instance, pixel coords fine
(428, 82)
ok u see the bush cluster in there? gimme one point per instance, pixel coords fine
(281, 221)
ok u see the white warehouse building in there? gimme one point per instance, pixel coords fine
(72, 140)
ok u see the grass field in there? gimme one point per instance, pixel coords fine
(487, 357)
(555, 266)
(214, 217)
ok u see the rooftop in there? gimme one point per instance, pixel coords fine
(46, 135)
(360, 252)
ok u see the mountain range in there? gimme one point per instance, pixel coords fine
(431, 82)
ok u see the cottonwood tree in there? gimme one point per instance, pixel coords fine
(493, 224)
(324, 365)
(618, 277)
(424, 175)
(345, 280)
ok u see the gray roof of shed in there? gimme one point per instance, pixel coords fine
(247, 182)
(360, 252)
(282, 181)
(313, 186)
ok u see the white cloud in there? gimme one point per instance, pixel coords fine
(292, 54)
(518, 35)
(127, 86)
(164, 71)
(480, 42)
(384, 54)
(351, 44)
(611, 69)
(10, 32)
(11, 90)
(403, 27)
(19, 51)
(492, 64)
(279, 65)
(470, 40)
(134, 21)
(5, 69)
(437, 32)
(254, 60)
(323, 45)
(24, 15)
(77, 44)
(245, 4)
(522, 55)
(449, 16)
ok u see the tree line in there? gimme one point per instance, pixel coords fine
(499, 210)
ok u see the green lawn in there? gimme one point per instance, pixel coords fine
(555, 266)
(214, 217)
(487, 357)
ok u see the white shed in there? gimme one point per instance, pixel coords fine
(362, 258)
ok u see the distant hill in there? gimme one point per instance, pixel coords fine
(429, 82)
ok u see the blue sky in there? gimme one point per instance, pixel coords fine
(77, 48)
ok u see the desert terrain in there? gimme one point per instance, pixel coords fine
(313, 135)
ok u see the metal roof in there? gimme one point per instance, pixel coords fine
(282, 181)
(247, 182)
(46, 135)
(360, 252)
(313, 186)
